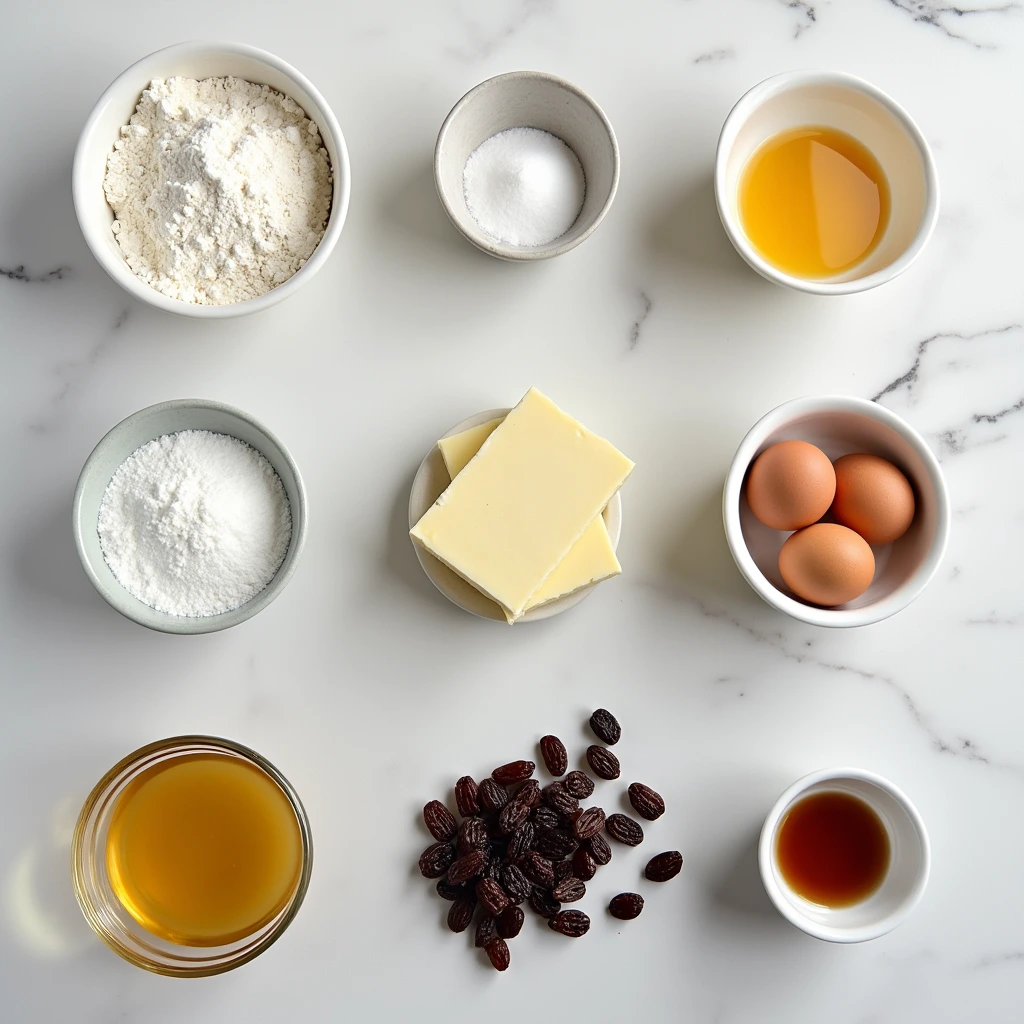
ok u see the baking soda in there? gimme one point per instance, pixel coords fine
(195, 523)
(524, 186)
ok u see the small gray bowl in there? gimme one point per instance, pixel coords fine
(142, 427)
(528, 99)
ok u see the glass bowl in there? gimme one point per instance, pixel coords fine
(104, 912)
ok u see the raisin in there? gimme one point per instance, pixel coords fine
(472, 835)
(569, 891)
(497, 952)
(514, 771)
(604, 763)
(605, 727)
(624, 829)
(543, 903)
(450, 892)
(491, 896)
(486, 931)
(552, 749)
(492, 796)
(573, 923)
(460, 914)
(584, 867)
(562, 870)
(560, 799)
(515, 883)
(439, 820)
(580, 785)
(538, 868)
(436, 859)
(513, 814)
(645, 801)
(626, 906)
(599, 848)
(520, 841)
(589, 823)
(466, 796)
(510, 922)
(664, 866)
(467, 867)
(547, 817)
(555, 844)
(528, 793)
(493, 869)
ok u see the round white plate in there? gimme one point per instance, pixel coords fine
(430, 482)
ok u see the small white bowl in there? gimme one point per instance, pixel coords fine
(905, 880)
(528, 99)
(116, 106)
(127, 437)
(430, 482)
(830, 99)
(839, 425)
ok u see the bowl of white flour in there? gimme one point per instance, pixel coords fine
(211, 180)
(189, 516)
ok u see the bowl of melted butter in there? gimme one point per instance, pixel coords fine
(824, 183)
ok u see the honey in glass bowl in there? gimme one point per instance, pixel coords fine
(191, 856)
(203, 850)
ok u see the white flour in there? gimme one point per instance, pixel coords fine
(221, 189)
(195, 523)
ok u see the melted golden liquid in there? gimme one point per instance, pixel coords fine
(813, 201)
(204, 849)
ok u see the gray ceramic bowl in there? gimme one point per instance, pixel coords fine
(142, 427)
(528, 99)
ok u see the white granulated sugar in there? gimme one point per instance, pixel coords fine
(221, 189)
(195, 523)
(524, 186)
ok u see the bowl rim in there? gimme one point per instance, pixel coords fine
(766, 857)
(194, 625)
(907, 591)
(741, 111)
(483, 241)
(118, 269)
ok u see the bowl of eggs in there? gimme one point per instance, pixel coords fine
(835, 511)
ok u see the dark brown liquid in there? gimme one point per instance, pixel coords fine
(832, 849)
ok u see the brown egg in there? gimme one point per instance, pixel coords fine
(827, 564)
(791, 484)
(873, 497)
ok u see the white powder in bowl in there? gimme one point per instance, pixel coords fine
(195, 523)
(221, 189)
(524, 186)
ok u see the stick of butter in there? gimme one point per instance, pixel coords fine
(590, 560)
(508, 519)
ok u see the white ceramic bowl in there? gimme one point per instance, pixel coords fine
(830, 99)
(142, 427)
(903, 885)
(430, 482)
(839, 425)
(116, 106)
(528, 99)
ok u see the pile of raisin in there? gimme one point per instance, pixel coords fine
(521, 843)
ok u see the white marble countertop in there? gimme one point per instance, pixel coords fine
(371, 692)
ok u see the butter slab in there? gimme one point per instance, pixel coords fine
(590, 560)
(510, 517)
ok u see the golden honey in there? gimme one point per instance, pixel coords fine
(203, 850)
(813, 201)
